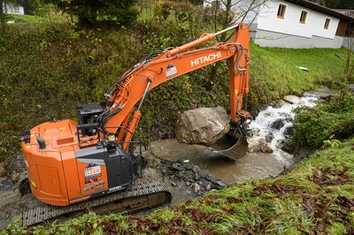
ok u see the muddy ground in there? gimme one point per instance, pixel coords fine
(188, 170)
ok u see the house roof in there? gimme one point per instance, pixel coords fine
(348, 12)
(323, 9)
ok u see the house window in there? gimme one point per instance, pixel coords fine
(281, 11)
(326, 25)
(303, 17)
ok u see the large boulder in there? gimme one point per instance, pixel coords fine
(292, 99)
(202, 125)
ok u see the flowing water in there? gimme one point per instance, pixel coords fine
(270, 127)
(273, 126)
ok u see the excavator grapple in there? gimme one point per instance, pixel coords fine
(78, 164)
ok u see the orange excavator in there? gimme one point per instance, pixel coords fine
(72, 165)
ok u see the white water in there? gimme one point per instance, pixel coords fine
(261, 127)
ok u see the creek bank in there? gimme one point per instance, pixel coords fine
(270, 148)
(273, 126)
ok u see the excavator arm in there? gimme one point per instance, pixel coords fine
(122, 113)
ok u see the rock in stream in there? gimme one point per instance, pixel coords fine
(202, 125)
(189, 174)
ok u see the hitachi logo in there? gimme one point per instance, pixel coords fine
(205, 59)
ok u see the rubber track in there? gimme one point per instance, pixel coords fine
(143, 189)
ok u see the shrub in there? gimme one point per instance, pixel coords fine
(334, 119)
(93, 12)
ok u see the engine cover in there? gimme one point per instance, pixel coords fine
(61, 172)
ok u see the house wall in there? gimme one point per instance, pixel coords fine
(270, 31)
(11, 8)
(314, 26)
(348, 43)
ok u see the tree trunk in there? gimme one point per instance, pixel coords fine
(2, 15)
(1, 8)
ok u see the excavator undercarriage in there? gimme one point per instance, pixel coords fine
(144, 193)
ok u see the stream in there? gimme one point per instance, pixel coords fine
(274, 126)
(269, 152)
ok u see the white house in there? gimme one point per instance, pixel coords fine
(293, 23)
(11, 8)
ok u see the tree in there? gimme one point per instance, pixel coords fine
(349, 64)
(230, 12)
(3, 12)
(91, 12)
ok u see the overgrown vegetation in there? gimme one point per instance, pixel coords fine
(91, 13)
(326, 121)
(48, 67)
(315, 197)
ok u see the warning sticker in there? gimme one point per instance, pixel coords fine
(171, 71)
(93, 171)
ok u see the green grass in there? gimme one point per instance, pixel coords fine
(35, 19)
(325, 122)
(27, 19)
(315, 197)
(276, 69)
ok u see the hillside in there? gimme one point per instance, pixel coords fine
(49, 68)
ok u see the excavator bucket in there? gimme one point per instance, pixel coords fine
(232, 145)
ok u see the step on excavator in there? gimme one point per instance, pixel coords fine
(75, 165)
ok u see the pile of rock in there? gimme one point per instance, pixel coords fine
(191, 175)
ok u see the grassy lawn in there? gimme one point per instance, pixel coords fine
(277, 68)
(33, 19)
(315, 197)
(27, 19)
